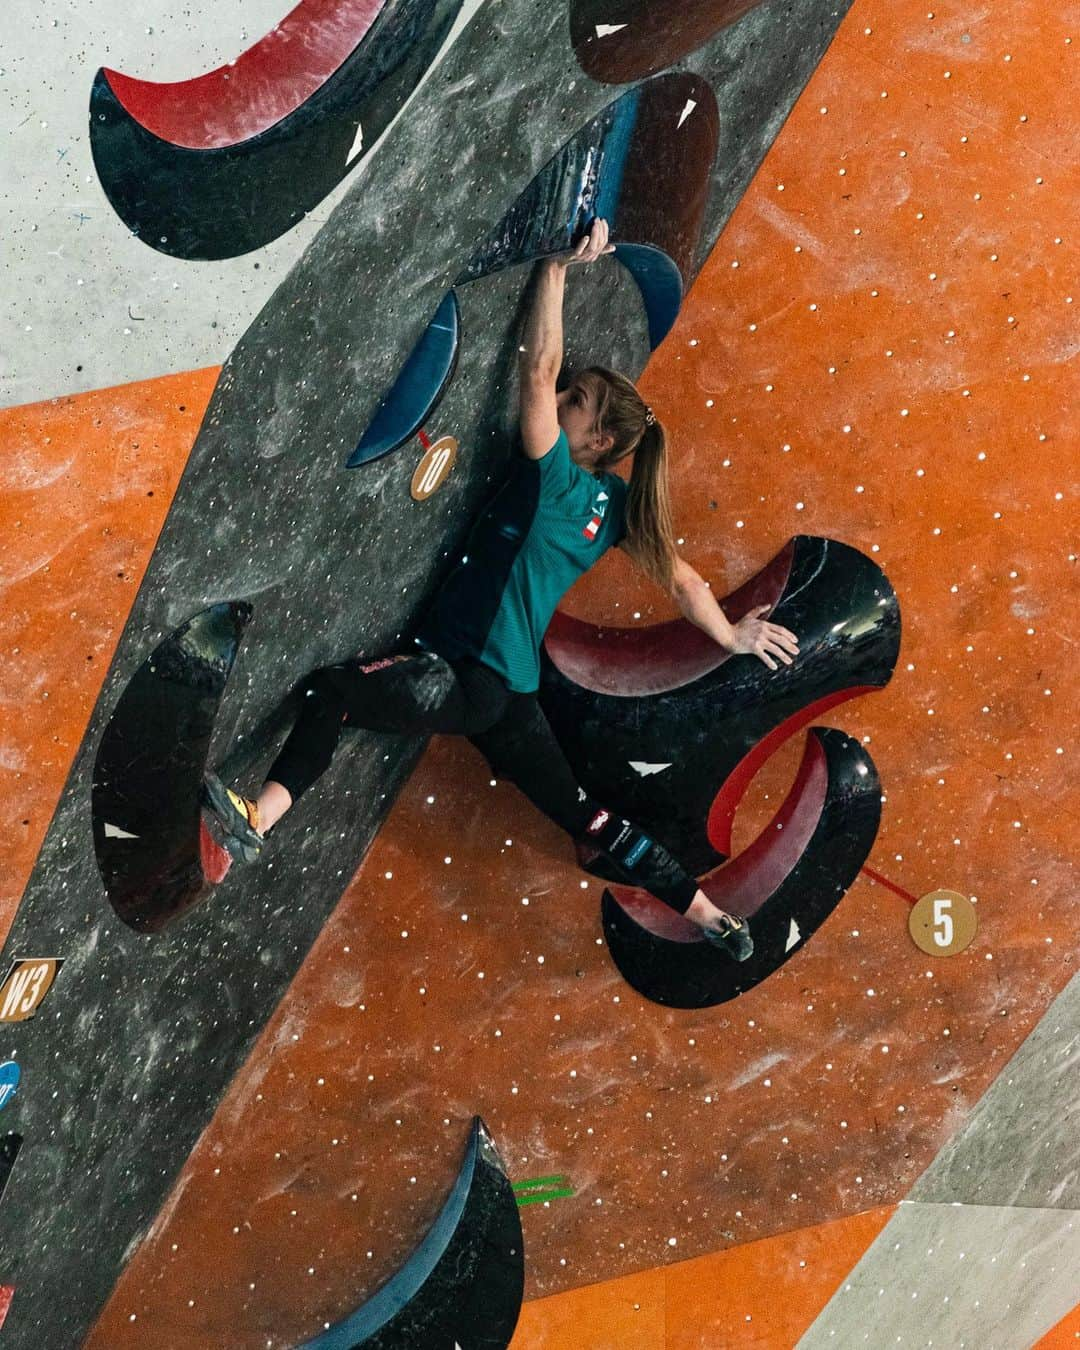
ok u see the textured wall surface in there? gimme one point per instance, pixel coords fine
(877, 350)
(280, 524)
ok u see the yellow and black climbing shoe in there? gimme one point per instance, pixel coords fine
(238, 817)
(732, 936)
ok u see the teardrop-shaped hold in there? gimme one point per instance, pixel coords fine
(417, 389)
(464, 1282)
(149, 768)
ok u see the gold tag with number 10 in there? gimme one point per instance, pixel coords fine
(432, 470)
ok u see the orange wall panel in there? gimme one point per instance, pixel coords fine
(85, 485)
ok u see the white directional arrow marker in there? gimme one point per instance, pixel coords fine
(115, 832)
(606, 29)
(794, 937)
(357, 146)
(639, 766)
(691, 104)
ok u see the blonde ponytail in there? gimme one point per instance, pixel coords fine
(624, 415)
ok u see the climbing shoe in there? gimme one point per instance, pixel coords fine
(732, 937)
(238, 817)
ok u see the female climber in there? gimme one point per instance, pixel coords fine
(475, 667)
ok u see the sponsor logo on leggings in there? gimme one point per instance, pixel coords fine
(638, 851)
(599, 821)
(373, 666)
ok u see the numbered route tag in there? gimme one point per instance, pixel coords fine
(943, 923)
(433, 469)
(27, 983)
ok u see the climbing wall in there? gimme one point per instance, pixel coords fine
(851, 305)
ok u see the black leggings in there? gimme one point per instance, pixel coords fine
(423, 693)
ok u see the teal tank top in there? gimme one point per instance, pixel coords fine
(548, 524)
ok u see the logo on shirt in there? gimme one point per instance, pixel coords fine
(599, 821)
(599, 508)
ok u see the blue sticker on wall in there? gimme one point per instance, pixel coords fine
(9, 1081)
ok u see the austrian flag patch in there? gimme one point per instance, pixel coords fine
(599, 507)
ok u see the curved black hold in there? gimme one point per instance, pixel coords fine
(149, 767)
(617, 41)
(667, 696)
(643, 164)
(786, 883)
(222, 202)
(463, 1285)
(417, 390)
(660, 283)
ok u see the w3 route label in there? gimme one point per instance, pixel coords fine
(27, 983)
